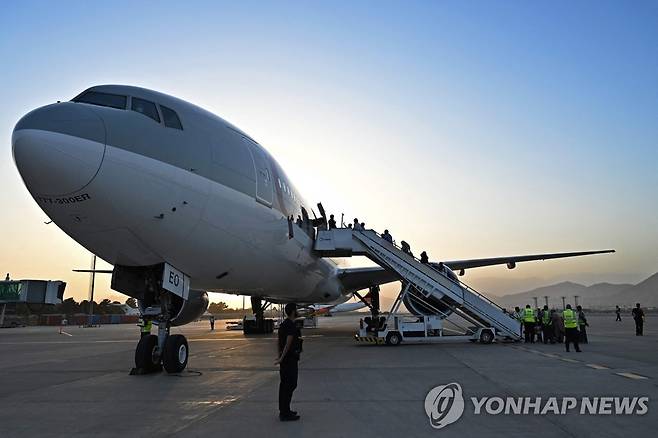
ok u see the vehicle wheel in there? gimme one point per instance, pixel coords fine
(146, 354)
(175, 354)
(393, 338)
(486, 337)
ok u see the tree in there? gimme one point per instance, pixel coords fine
(69, 306)
(217, 307)
(131, 302)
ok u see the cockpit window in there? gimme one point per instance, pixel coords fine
(102, 99)
(170, 117)
(145, 107)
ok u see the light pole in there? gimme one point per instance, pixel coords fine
(92, 284)
(546, 300)
(575, 299)
(564, 306)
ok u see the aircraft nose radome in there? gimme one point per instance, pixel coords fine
(59, 148)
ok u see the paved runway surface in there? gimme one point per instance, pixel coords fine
(77, 384)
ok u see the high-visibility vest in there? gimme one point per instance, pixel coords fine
(146, 327)
(570, 320)
(546, 319)
(528, 315)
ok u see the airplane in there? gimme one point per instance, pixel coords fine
(340, 306)
(330, 310)
(181, 203)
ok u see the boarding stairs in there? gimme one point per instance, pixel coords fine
(431, 289)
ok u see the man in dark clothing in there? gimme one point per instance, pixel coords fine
(290, 347)
(332, 222)
(618, 312)
(582, 324)
(638, 316)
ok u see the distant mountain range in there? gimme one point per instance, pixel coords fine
(600, 295)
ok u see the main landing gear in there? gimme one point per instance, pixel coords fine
(258, 324)
(164, 350)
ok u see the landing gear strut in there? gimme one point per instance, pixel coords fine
(258, 324)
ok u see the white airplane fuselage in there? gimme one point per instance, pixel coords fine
(135, 209)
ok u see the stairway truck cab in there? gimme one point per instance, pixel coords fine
(424, 329)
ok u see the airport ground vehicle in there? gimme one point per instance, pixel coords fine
(426, 329)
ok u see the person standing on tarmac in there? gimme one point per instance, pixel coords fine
(212, 322)
(618, 312)
(518, 315)
(638, 316)
(546, 327)
(570, 328)
(290, 347)
(529, 320)
(558, 326)
(582, 325)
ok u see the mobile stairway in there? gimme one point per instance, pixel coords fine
(429, 289)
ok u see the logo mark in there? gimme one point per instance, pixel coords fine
(444, 405)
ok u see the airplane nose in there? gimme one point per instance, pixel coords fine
(59, 148)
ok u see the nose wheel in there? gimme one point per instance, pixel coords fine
(176, 353)
(147, 357)
(151, 358)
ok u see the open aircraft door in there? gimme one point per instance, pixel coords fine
(264, 185)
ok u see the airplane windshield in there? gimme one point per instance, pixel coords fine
(102, 99)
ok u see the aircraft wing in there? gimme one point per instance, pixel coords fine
(97, 271)
(459, 265)
(355, 279)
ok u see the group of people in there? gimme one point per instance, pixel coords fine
(568, 326)
(548, 325)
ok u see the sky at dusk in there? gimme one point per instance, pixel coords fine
(469, 129)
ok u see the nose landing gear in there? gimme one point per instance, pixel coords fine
(153, 352)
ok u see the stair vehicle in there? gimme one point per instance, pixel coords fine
(431, 292)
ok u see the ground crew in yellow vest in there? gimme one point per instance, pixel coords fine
(145, 327)
(570, 328)
(547, 326)
(529, 321)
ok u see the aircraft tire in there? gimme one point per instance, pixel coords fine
(176, 353)
(146, 357)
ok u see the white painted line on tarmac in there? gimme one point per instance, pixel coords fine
(632, 376)
(566, 359)
(65, 333)
(597, 366)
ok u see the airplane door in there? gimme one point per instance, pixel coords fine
(264, 185)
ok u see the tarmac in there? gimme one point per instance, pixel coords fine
(77, 384)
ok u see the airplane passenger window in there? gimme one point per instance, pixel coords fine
(145, 107)
(170, 117)
(102, 99)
